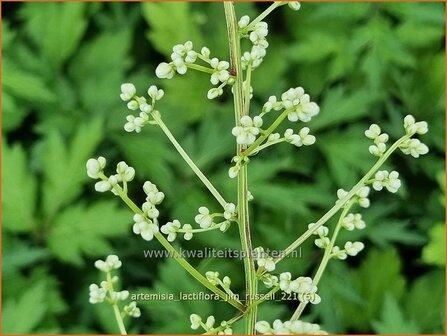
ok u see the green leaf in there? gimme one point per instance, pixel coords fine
(429, 287)
(56, 28)
(434, 252)
(419, 36)
(347, 154)
(97, 77)
(18, 190)
(340, 107)
(170, 24)
(25, 85)
(17, 255)
(393, 321)
(378, 274)
(12, 112)
(64, 166)
(23, 314)
(150, 154)
(84, 230)
(385, 232)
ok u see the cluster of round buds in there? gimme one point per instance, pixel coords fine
(134, 102)
(154, 197)
(307, 291)
(296, 102)
(302, 138)
(361, 196)
(299, 104)
(145, 227)
(99, 293)
(288, 328)
(239, 161)
(208, 325)
(412, 127)
(322, 232)
(171, 229)
(257, 34)
(248, 130)
(95, 170)
(182, 55)
(351, 249)
(132, 310)
(263, 260)
(380, 139)
(213, 278)
(389, 180)
(414, 147)
(353, 221)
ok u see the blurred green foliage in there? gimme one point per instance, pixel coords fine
(62, 67)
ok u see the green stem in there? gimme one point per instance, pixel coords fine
(247, 90)
(341, 203)
(176, 255)
(264, 14)
(243, 214)
(200, 68)
(266, 134)
(116, 311)
(188, 160)
(214, 227)
(326, 257)
(268, 144)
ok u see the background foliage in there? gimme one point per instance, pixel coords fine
(363, 62)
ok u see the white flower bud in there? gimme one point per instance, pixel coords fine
(164, 70)
(195, 321)
(103, 186)
(294, 5)
(128, 90)
(244, 21)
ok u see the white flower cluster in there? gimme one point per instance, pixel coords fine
(412, 146)
(323, 240)
(302, 138)
(389, 180)
(353, 221)
(361, 197)
(351, 249)
(208, 325)
(307, 291)
(99, 293)
(296, 102)
(380, 139)
(95, 170)
(173, 228)
(248, 130)
(184, 56)
(263, 260)
(146, 224)
(213, 278)
(205, 221)
(257, 34)
(128, 93)
(289, 328)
